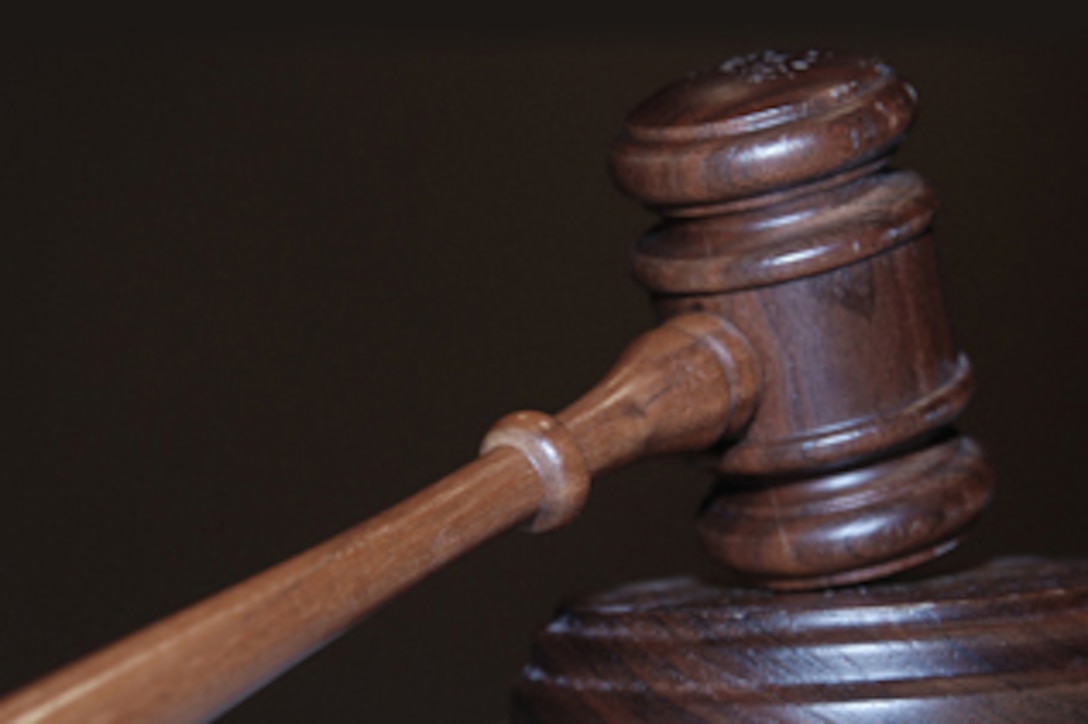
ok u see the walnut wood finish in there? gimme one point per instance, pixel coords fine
(766, 123)
(1005, 642)
(680, 387)
(851, 525)
(806, 346)
(782, 219)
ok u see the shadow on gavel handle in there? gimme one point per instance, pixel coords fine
(680, 387)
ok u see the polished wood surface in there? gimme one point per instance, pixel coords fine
(759, 123)
(781, 217)
(1003, 642)
(852, 525)
(680, 387)
(1009, 389)
(199, 662)
(849, 470)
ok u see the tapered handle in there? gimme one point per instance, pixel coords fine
(680, 387)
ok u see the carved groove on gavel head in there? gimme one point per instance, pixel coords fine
(781, 218)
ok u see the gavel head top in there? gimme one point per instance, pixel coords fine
(782, 218)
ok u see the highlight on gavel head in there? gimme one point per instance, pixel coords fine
(782, 218)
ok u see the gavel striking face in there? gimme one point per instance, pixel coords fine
(805, 348)
(782, 219)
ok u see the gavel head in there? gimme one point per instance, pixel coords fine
(781, 217)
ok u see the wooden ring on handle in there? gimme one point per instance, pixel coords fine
(557, 459)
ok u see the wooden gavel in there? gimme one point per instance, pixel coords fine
(804, 350)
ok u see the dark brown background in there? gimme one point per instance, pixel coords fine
(257, 289)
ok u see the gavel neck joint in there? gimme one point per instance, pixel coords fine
(679, 388)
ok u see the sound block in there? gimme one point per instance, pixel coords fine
(1007, 641)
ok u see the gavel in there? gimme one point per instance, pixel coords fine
(804, 354)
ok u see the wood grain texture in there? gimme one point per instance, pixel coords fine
(857, 354)
(311, 180)
(679, 387)
(853, 525)
(200, 662)
(758, 123)
(781, 218)
(1004, 642)
(857, 361)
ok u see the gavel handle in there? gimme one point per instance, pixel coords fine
(201, 661)
(679, 387)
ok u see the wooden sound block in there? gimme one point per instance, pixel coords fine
(1007, 641)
